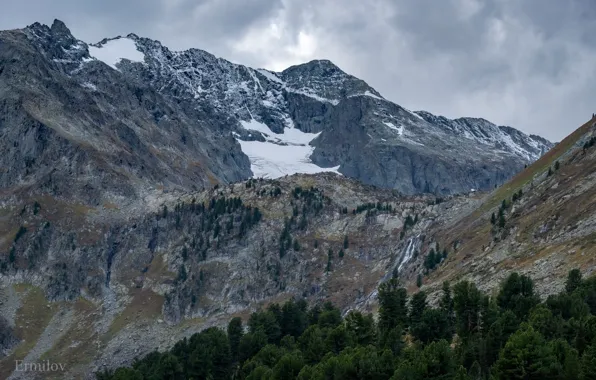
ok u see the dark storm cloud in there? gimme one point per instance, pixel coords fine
(526, 63)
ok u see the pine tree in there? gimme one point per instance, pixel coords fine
(417, 307)
(493, 219)
(517, 294)
(466, 303)
(438, 258)
(235, 333)
(588, 364)
(12, 255)
(419, 280)
(393, 311)
(431, 261)
(346, 243)
(182, 274)
(527, 356)
(329, 259)
(502, 221)
(574, 281)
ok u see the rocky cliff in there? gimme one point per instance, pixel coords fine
(134, 114)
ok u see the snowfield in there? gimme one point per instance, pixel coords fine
(282, 154)
(116, 50)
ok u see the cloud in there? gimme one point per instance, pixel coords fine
(525, 63)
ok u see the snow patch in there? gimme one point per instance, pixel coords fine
(399, 129)
(271, 76)
(368, 93)
(414, 114)
(270, 160)
(282, 154)
(254, 125)
(308, 92)
(90, 86)
(116, 50)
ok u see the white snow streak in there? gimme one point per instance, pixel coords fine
(89, 85)
(368, 93)
(410, 249)
(271, 76)
(310, 94)
(400, 129)
(414, 114)
(114, 51)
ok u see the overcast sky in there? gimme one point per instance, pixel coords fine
(529, 64)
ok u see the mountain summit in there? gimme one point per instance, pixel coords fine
(228, 122)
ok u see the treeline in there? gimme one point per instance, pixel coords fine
(468, 336)
(372, 208)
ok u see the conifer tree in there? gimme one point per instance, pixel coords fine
(574, 281)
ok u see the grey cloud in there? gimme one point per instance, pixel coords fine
(439, 26)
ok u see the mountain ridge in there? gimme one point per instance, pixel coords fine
(307, 97)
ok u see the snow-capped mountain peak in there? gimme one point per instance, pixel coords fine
(310, 117)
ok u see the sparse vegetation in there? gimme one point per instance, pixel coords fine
(590, 143)
(373, 207)
(22, 231)
(36, 208)
(329, 260)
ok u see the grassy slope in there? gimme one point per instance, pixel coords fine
(537, 168)
(32, 318)
(557, 196)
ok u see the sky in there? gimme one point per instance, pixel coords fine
(529, 64)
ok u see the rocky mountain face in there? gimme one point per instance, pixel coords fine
(97, 286)
(140, 115)
(351, 127)
(73, 127)
(127, 219)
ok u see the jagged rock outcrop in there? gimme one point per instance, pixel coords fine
(73, 127)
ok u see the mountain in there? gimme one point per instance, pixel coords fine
(88, 281)
(128, 218)
(313, 117)
(135, 115)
